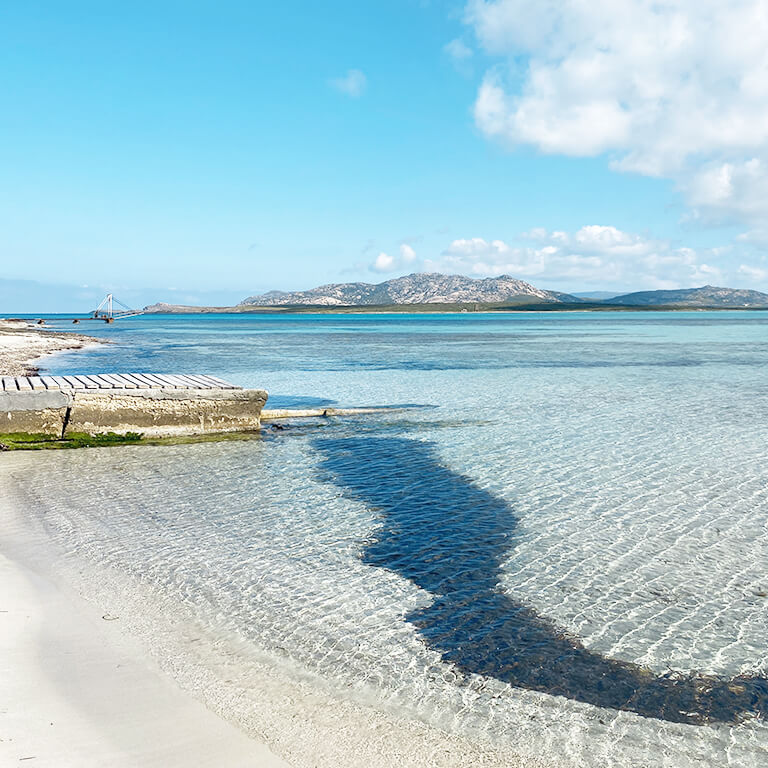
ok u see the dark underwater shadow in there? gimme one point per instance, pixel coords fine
(449, 537)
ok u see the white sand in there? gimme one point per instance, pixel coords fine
(21, 345)
(76, 692)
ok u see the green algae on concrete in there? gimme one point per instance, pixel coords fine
(26, 441)
(30, 441)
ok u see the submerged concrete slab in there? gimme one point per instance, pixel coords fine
(37, 412)
(166, 412)
(152, 412)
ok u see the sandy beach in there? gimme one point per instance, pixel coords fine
(22, 344)
(81, 693)
(78, 691)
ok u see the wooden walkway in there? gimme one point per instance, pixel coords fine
(113, 381)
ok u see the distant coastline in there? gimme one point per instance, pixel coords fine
(434, 293)
(433, 308)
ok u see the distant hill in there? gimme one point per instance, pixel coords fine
(423, 288)
(596, 295)
(706, 296)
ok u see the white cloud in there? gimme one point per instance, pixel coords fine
(706, 273)
(386, 263)
(383, 263)
(352, 84)
(407, 254)
(676, 89)
(757, 237)
(756, 274)
(733, 190)
(458, 50)
(594, 255)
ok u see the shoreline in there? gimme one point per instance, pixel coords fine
(84, 692)
(73, 634)
(22, 346)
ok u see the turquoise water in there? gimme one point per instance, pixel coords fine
(570, 530)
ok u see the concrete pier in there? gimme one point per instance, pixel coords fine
(153, 405)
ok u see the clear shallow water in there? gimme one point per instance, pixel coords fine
(583, 512)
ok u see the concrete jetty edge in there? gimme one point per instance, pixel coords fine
(153, 412)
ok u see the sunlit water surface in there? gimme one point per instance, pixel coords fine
(578, 508)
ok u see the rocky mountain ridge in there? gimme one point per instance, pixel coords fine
(421, 288)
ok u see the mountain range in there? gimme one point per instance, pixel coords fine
(423, 288)
(433, 288)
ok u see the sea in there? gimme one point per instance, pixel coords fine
(551, 544)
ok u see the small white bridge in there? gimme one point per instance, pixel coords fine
(106, 310)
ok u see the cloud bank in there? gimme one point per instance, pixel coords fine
(593, 256)
(677, 89)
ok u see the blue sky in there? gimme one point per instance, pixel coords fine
(204, 151)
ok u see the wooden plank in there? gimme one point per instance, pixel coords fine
(142, 377)
(111, 379)
(92, 381)
(188, 381)
(86, 382)
(102, 382)
(168, 381)
(73, 382)
(138, 382)
(115, 381)
(119, 381)
(126, 382)
(223, 384)
(158, 381)
(202, 382)
(213, 382)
